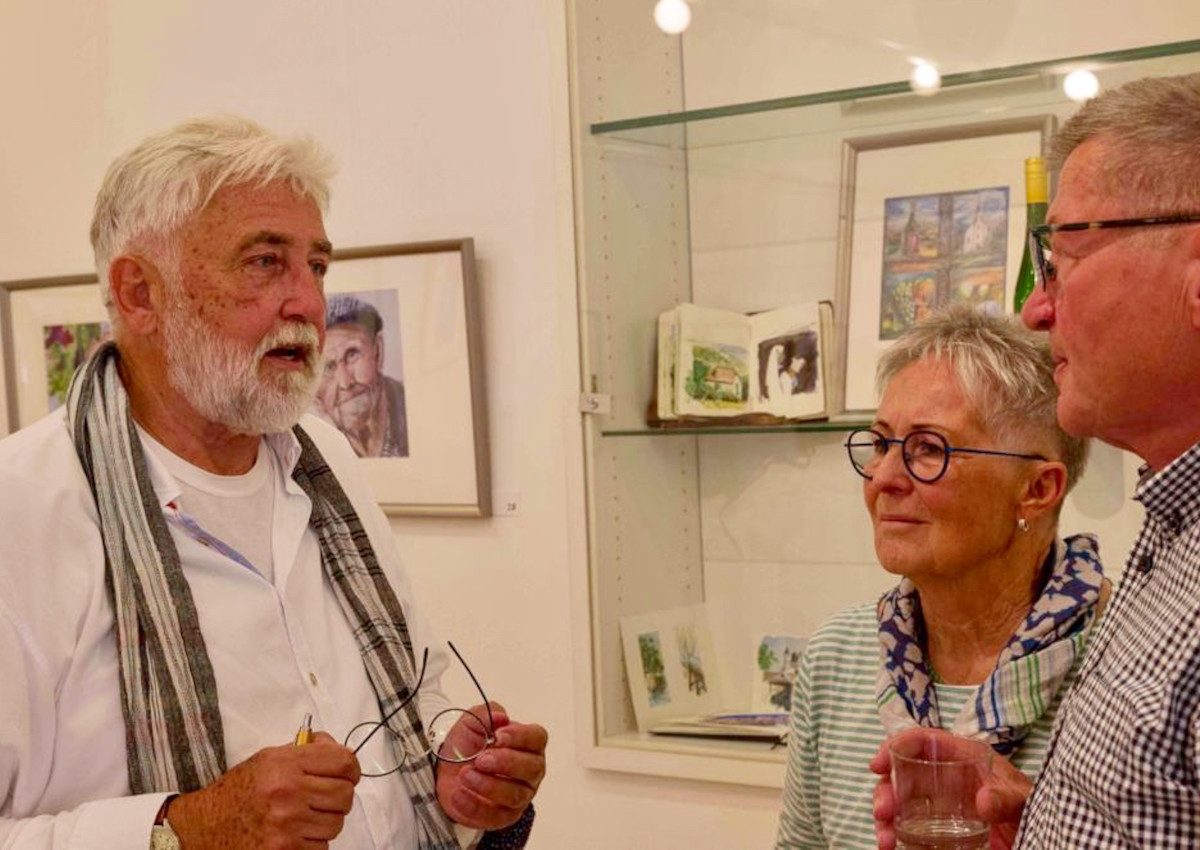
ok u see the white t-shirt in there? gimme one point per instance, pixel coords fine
(234, 508)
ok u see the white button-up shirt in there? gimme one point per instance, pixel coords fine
(278, 650)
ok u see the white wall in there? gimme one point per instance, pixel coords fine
(449, 118)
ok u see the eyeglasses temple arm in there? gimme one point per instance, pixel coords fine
(486, 704)
(989, 452)
(411, 695)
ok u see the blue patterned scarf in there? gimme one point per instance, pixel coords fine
(1029, 670)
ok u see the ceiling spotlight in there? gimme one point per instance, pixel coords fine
(925, 79)
(1081, 85)
(672, 16)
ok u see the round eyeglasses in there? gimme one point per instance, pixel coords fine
(469, 742)
(926, 454)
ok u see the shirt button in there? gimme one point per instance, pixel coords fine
(312, 677)
(1144, 565)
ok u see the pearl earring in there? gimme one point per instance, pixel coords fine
(1022, 524)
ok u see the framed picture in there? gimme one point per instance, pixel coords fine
(50, 326)
(928, 218)
(403, 339)
(401, 375)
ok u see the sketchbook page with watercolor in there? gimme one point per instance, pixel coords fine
(791, 346)
(714, 363)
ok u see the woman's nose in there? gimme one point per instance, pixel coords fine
(889, 470)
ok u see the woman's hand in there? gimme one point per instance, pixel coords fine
(1000, 801)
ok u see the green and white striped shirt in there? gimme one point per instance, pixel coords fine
(835, 732)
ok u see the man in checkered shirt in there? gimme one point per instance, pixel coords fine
(1120, 297)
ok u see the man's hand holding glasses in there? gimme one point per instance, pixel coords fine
(488, 767)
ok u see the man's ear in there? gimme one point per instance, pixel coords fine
(129, 282)
(379, 352)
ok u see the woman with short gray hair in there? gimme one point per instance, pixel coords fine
(964, 472)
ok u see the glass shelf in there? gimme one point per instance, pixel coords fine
(739, 208)
(1092, 61)
(716, 430)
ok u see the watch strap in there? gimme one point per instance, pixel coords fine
(161, 818)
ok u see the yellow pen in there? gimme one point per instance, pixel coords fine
(304, 736)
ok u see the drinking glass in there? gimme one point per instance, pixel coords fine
(935, 789)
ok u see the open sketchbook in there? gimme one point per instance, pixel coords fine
(718, 364)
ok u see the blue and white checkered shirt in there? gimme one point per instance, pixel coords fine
(1123, 763)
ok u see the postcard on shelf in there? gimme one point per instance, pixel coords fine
(777, 663)
(671, 664)
(721, 364)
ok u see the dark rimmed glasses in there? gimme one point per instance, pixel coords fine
(1039, 237)
(471, 742)
(926, 454)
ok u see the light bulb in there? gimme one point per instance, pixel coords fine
(925, 78)
(672, 16)
(1081, 85)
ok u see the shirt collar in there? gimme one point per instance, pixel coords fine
(283, 444)
(1172, 495)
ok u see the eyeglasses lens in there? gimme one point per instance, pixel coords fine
(925, 455)
(1044, 265)
(470, 739)
(866, 448)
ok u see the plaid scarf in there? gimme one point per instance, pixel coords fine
(1029, 670)
(174, 736)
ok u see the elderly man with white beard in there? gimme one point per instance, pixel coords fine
(190, 568)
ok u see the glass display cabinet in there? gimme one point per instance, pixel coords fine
(748, 207)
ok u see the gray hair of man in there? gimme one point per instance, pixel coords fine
(150, 191)
(1005, 371)
(1153, 127)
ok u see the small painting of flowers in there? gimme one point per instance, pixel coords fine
(67, 347)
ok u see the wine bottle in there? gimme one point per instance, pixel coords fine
(1035, 214)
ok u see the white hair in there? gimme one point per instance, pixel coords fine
(153, 189)
(1005, 371)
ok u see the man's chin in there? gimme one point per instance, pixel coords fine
(1073, 418)
(270, 409)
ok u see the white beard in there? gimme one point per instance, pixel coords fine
(221, 380)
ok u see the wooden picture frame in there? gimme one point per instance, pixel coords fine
(446, 471)
(940, 173)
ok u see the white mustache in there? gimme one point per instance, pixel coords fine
(303, 336)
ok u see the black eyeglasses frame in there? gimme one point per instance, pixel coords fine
(1039, 236)
(906, 454)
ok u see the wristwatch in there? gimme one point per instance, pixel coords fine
(162, 837)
